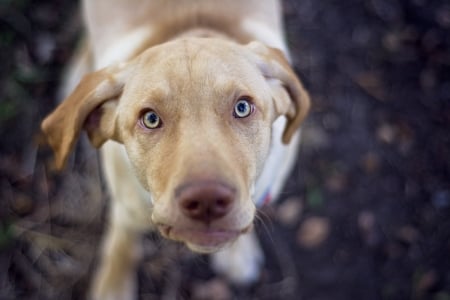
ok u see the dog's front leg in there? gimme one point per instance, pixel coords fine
(240, 262)
(116, 275)
(129, 216)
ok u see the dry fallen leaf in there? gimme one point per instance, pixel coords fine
(337, 182)
(290, 210)
(366, 221)
(386, 133)
(408, 234)
(370, 162)
(313, 232)
(367, 226)
(215, 289)
(426, 282)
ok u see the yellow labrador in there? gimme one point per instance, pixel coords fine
(196, 110)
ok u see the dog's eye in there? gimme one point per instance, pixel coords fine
(243, 108)
(151, 120)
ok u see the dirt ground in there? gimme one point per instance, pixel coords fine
(365, 214)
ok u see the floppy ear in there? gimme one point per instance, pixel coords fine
(289, 96)
(92, 106)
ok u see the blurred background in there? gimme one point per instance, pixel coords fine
(365, 214)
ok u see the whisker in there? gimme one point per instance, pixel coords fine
(267, 229)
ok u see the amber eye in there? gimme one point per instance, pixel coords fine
(243, 108)
(151, 120)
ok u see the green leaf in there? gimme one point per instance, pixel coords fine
(315, 198)
(6, 235)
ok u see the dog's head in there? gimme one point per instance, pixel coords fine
(195, 117)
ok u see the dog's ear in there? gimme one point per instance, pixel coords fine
(289, 96)
(92, 106)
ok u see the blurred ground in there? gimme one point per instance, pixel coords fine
(366, 213)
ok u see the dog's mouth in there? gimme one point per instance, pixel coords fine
(206, 240)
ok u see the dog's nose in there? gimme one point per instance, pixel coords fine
(205, 201)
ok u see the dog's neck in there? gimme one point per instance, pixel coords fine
(278, 165)
(204, 33)
(194, 32)
(136, 41)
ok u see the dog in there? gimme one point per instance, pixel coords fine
(196, 111)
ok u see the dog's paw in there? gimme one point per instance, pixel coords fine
(241, 262)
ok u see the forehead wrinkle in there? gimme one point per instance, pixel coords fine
(187, 60)
(192, 58)
(181, 73)
(188, 80)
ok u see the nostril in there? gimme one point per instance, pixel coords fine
(192, 205)
(193, 208)
(222, 203)
(220, 207)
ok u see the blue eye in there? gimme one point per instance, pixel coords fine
(151, 120)
(243, 108)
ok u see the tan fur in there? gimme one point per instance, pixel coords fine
(191, 65)
(168, 19)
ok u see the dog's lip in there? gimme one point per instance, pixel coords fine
(201, 240)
